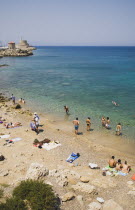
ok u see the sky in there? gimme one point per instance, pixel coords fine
(68, 22)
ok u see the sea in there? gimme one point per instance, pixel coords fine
(86, 79)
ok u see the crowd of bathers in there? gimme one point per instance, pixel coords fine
(119, 166)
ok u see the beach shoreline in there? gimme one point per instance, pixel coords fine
(21, 154)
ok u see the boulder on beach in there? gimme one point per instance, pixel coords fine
(37, 171)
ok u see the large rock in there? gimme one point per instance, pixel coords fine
(104, 182)
(130, 182)
(84, 179)
(36, 171)
(94, 206)
(80, 199)
(84, 187)
(63, 175)
(68, 196)
(4, 173)
(132, 192)
(111, 205)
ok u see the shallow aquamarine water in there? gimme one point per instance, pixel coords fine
(86, 79)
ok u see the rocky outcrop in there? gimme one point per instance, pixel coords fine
(15, 52)
(111, 205)
(94, 206)
(82, 187)
(3, 65)
(84, 179)
(63, 176)
(68, 196)
(37, 171)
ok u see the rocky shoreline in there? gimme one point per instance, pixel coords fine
(77, 185)
(15, 52)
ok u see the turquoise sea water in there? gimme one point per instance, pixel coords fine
(87, 79)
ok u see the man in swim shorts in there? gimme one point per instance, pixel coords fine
(112, 162)
(118, 129)
(88, 122)
(76, 125)
(103, 121)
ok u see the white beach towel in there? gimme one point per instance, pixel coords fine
(51, 145)
(93, 165)
(4, 136)
(16, 139)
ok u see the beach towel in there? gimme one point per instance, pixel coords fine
(109, 168)
(110, 171)
(72, 157)
(121, 173)
(93, 165)
(4, 136)
(51, 145)
(14, 140)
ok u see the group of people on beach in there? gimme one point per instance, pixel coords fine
(119, 166)
(105, 123)
(21, 100)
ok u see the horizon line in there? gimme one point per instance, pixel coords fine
(84, 45)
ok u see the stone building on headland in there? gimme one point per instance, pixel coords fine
(23, 45)
(11, 45)
(22, 49)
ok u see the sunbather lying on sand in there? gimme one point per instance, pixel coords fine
(40, 143)
(12, 125)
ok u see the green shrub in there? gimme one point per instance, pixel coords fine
(1, 193)
(13, 204)
(40, 196)
(4, 185)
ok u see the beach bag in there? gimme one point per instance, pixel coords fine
(2, 157)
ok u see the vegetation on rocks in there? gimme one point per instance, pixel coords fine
(32, 194)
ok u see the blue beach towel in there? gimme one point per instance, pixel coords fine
(72, 157)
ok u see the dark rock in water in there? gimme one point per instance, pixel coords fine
(2, 65)
(18, 106)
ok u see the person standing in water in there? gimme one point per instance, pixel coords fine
(88, 122)
(103, 121)
(76, 125)
(66, 109)
(118, 129)
(107, 125)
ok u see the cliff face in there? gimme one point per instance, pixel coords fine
(15, 52)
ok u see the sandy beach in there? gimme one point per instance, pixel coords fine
(94, 147)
